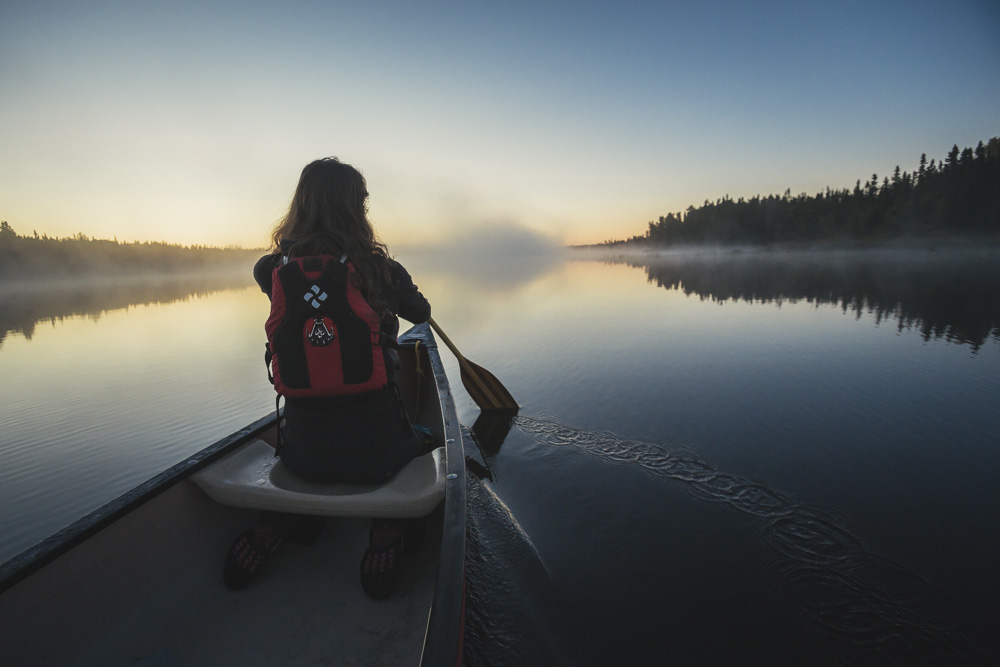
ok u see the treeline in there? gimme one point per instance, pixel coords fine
(959, 195)
(42, 257)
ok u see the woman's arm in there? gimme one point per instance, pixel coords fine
(263, 270)
(404, 298)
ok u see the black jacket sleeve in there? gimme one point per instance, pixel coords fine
(404, 298)
(263, 271)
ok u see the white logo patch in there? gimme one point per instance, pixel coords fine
(315, 296)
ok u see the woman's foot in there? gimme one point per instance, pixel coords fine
(381, 560)
(248, 554)
(251, 549)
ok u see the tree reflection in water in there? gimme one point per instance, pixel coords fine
(23, 305)
(952, 295)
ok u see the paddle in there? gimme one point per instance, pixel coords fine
(485, 390)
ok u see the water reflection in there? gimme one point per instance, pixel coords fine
(128, 379)
(952, 295)
(23, 305)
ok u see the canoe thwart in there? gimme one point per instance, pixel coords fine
(251, 477)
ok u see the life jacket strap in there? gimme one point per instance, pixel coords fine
(383, 339)
(277, 425)
(268, 355)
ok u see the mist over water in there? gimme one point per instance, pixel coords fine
(490, 256)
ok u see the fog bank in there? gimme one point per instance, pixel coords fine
(488, 254)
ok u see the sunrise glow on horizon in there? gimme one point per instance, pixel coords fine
(575, 122)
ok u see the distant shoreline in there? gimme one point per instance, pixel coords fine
(923, 244)
(72, 276)
(126, 279)
(42, 258)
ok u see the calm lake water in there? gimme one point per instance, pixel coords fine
(733, 458)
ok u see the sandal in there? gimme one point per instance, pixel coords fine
(380, 562)
(249, 552)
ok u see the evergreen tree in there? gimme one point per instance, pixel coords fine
(961, 193)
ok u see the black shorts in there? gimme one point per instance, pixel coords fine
(361, 439)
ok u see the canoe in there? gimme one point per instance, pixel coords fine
(139, 581)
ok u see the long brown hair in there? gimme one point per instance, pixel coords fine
(329, 216)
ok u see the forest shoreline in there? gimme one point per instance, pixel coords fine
(921, 245)
(956, 197)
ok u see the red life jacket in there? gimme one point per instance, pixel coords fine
(323, 336)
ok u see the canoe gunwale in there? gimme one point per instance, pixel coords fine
(33, 559)
(446, 623)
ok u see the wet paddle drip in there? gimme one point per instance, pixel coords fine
(869, 603)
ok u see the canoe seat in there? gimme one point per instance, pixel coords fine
(251, 477)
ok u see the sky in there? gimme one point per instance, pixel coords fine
(566, 122)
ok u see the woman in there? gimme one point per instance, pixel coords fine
(343, 419)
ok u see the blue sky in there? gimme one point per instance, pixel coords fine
(189, 122)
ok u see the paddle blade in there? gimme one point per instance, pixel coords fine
(485, 390)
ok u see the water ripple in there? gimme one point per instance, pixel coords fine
(871, 604)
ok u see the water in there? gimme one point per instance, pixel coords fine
(721, 459)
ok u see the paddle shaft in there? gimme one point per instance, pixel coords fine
(464, 363)
(447, 341)
(484, 389)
